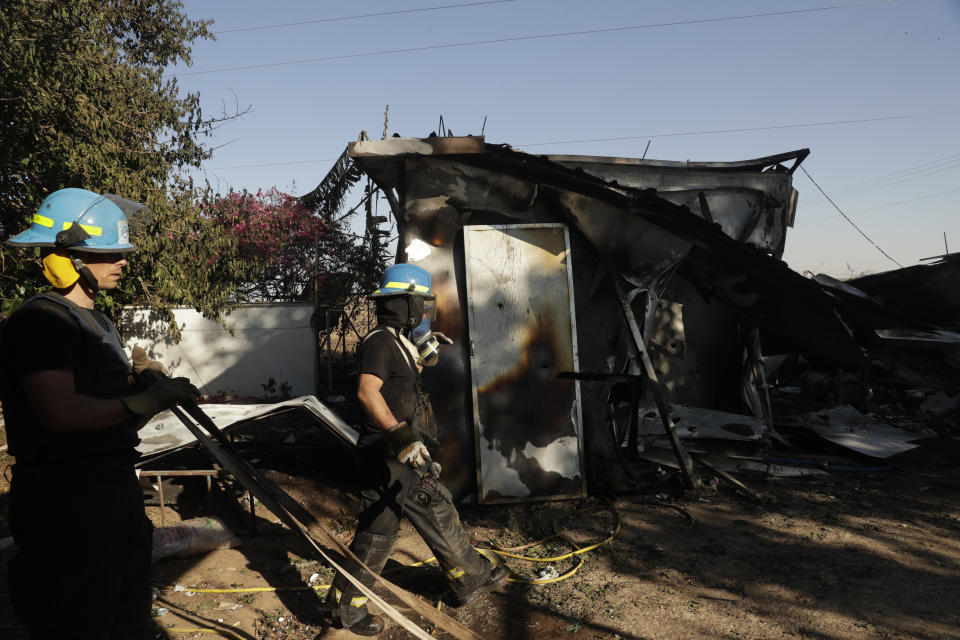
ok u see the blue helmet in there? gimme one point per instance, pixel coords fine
(80, 220)
(404, 278)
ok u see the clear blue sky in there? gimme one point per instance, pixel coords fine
(687, 71)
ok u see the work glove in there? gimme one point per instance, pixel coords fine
(160, 393)
(141, 362)
(406, 446)
(442, 338)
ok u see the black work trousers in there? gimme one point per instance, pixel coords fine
(393, 491)
(82, 568)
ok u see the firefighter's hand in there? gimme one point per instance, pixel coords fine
(161, 393)
(141, 362)
(406, 446)
(414, 455)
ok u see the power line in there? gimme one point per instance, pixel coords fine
(535, 37)
(745, 129)
(659, 135)
(272, 164)
(360, 16)
(852, 223)
(889, 204)
(891, 183)
(904, 175)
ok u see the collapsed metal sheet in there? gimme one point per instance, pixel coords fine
(694, 422)
(847, 427)
(753, 201)
(522, 334)
(902, 347)
(164, 432)
(663, 456)
(927, 292)
(641, 251)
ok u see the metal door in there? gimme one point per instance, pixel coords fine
(522, 333)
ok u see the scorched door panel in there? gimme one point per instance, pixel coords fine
(522, 334)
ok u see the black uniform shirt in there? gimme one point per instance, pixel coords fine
(380, 355)
(40, 337)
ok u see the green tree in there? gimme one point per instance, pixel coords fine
(85, 102)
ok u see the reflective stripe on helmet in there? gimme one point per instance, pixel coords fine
(406, 286)
(43, 221)
(92, 230)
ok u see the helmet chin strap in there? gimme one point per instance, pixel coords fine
(86, 276)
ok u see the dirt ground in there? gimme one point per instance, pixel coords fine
(855, 556)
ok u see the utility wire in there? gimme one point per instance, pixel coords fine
(852, 223)
(659, 135)
(888, 183)
(745, 129)
(884, 206)
(904, 175)
(535, 37)
(360, 16)
(272, 164)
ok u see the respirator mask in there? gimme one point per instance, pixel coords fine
(425, 339)
(427, 344)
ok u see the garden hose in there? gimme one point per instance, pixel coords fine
(578, 551)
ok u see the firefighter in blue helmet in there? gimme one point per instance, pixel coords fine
(84, 543)
(401, 479)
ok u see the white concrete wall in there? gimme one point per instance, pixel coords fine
(269, 341)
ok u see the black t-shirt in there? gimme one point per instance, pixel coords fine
(380, 355)
(41, 337)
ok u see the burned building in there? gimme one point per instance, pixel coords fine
(574, 286)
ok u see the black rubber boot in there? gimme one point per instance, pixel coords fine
(347, 604)
(495, 578)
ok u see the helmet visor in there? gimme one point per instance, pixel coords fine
(136, 213)
(430, 306)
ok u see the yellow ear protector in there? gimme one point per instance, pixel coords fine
(62, 270)
(59, 269)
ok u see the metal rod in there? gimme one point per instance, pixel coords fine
(326, 313)
(180, 473)
(163, 517)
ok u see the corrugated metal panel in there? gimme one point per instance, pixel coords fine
(522, 334)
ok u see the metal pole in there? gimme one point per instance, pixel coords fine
(163, 517)
(326, 312)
